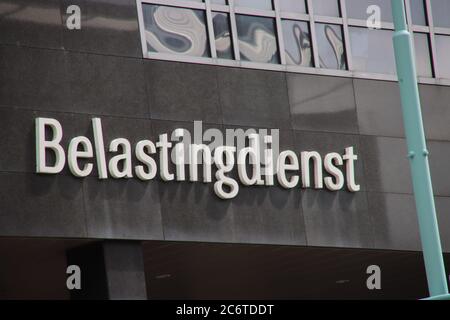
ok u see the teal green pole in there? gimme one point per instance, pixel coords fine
(417, 153)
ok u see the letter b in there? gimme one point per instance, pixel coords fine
(53, 144)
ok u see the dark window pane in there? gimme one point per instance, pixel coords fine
(175, 30)
(442, 49)
(297, 6)
(422, 49)
(297, 43)
(326, 8)
(418, 12)
(331, 47)
(222, 35)
(372, 50)
(441, 13)
(257, 4)
(257, 41)
(357, 9)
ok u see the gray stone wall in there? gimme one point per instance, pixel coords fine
(47, 70)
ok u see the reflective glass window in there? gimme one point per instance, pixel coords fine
(443, 61)
(422, 50)
(222, 35)
(175, 30)
(357, 9)
(297, 6)
(372, 50)
(326, 8)
(331, 46)
(297, 43)
(257, 40)
(257, 4)
(441, 13)
(418, 12)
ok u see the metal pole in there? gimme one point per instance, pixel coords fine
(418, 154)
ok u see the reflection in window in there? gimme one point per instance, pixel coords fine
(357, 9)
(326, 8)
(422, 49)
(222, 2)
(443, 62)
(297, 6)
(222, 35)
(257, 41)
(331, 47)
(418, 12)
(175, 30)
(372, 50)
(441, 13)
(297, 43)
(257, 4)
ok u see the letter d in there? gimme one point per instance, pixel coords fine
(53, 144)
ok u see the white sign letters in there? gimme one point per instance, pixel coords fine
(257, 161)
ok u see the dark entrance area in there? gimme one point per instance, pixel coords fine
(229, 271)
(35, 268)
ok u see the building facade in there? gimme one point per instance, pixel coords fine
(314, 70)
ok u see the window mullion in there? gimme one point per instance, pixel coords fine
(209, 25)
(315, 48)
(279, 30)
(432, 39)
(346, 32)
(234, 33)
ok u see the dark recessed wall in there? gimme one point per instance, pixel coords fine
(224, 271)
(35, 268)
(47, 70)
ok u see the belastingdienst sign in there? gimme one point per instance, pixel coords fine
(257, 151)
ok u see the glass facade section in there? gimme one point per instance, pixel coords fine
(255, 31)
